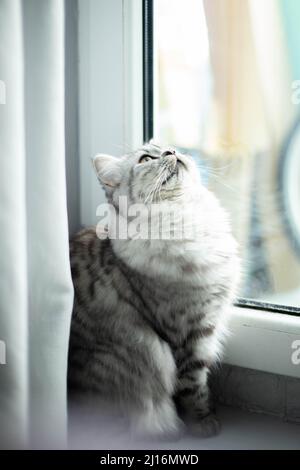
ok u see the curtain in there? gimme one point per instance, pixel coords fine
(35, 285)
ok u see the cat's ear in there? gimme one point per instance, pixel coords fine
(108, 169)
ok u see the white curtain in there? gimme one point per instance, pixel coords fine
(35, 284)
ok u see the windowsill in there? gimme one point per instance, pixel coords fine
(240, 430)
(263, 340)
(243, 430)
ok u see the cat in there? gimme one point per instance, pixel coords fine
(150, 315)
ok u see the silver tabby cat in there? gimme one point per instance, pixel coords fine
(150, 313)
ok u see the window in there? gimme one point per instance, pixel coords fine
(221, 83)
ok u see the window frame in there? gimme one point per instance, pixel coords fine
(261, 333)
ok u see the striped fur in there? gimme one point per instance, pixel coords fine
(150, 316)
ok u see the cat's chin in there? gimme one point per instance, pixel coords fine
(171, 177)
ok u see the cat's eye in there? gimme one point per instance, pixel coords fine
(145, 159)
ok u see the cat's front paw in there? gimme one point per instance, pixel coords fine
(205, 427)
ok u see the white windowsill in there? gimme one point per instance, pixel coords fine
(263, 340)
(240, 430)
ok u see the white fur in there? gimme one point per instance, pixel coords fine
(204, 256)
(156, 420)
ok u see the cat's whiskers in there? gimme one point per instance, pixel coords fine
(153, 190)
(160, 181)
(157, 191)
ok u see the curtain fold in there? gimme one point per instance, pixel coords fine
(13, 277)
(36, 292)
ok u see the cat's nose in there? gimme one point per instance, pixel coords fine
(168, 152)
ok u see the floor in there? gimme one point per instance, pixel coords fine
(241, 430)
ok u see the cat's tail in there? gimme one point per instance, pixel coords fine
(157, 420)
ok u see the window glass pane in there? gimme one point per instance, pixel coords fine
(227, 90)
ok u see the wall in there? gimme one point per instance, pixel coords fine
(258, 392)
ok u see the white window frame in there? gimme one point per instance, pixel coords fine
(111, 121)
(110, 88)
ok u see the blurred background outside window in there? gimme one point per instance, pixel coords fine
(227, 90)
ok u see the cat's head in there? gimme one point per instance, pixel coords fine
(149, 175)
